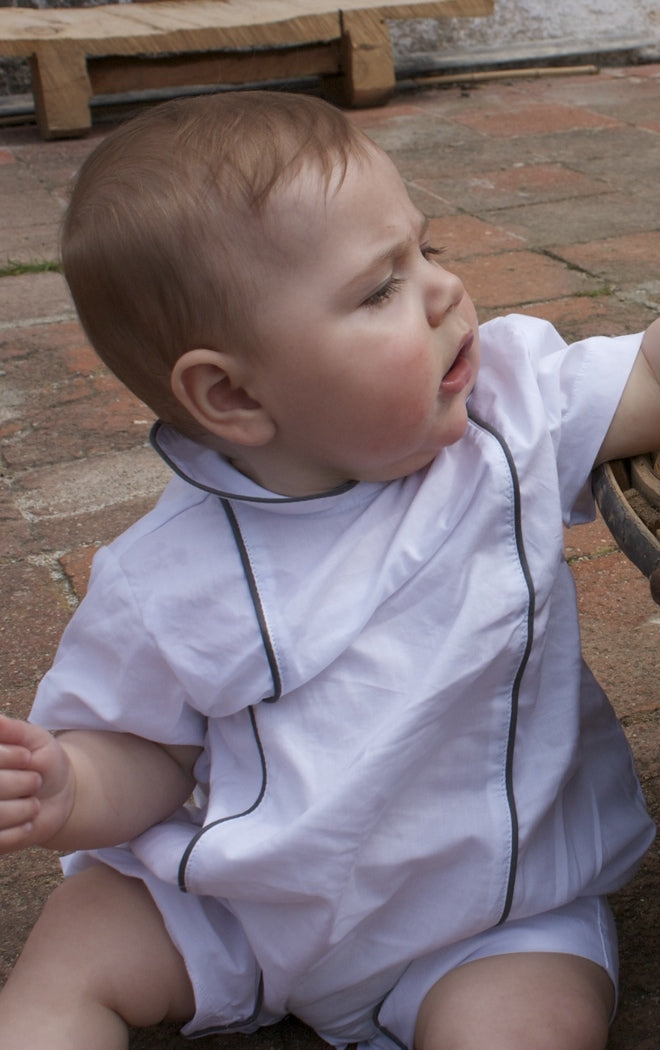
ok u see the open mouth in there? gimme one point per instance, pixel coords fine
(459, 373)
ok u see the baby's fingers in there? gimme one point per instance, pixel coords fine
(17, 824)
(17, 813)
(18, 808)
(22, 735)
(17, 784)
(14, 756)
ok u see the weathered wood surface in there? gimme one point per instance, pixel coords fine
(78, 52)
(151, 28)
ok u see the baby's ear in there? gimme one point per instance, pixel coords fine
(208, 385)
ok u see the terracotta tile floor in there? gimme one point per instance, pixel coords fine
(547, 196)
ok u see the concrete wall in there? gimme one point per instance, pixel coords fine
(531, 29)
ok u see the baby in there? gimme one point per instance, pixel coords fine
(320, 740)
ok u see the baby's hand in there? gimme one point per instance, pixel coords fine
(36, 785)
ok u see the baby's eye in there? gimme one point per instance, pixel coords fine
(385, 292)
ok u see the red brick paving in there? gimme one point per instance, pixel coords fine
(509, 279)
(530, 119)
(545, 193)
(462, 236)
(604, 314)
(631, 259)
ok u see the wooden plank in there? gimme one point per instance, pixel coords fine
(395, 9)
(61, 89)
(148, 27)
(129, 73)
(207, 41)
(151, 28)
(367, 65)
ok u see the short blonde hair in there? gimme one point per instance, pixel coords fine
(151, 241)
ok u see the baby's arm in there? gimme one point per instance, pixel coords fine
(85, 789)
(635, 428)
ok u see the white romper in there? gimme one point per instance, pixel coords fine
(402, 746)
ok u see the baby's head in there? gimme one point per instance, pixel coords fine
(161, 241)
(252, 266)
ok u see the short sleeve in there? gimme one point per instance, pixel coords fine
(109, 672)
(585, 385)
(538, 386)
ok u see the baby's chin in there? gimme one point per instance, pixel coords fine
(423, 462)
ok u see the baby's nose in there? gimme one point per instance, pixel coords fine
(445, 292)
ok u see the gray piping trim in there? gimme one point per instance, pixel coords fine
(277, 692)
(515, 691)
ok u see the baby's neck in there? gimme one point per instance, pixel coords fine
(282, 483)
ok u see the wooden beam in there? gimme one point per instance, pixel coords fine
(132, 73)
(61, 89)
(366, 71)
(77, 52)
(203, 25)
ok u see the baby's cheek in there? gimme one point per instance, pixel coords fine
(407, 418)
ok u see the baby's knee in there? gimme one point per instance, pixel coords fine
(106, 930)
(527, 1001)
(98, 960)
(84, 902)
(73, 902)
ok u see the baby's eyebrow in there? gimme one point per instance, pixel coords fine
(391, 251)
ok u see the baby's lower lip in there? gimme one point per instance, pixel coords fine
(460, 372)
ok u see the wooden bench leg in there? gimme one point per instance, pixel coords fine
(367, 76)
(62, 91)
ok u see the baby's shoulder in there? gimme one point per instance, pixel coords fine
(519, 334)
(166, 549)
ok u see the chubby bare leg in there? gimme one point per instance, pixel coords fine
(98, 960)
(526, 1001)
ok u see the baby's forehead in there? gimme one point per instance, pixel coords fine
(357, 213)
(316, 182)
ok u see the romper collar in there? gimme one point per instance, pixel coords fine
(208, 470)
